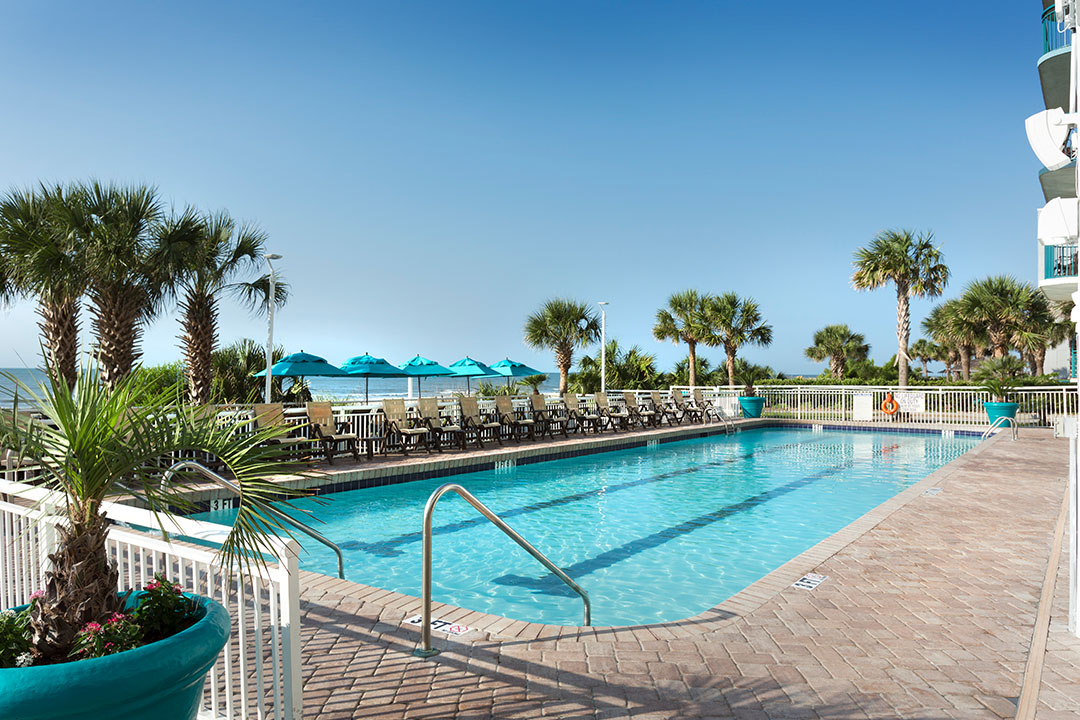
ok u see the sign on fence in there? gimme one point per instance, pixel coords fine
(862, 407)
(911, 402)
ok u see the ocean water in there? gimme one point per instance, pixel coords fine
(652, 535)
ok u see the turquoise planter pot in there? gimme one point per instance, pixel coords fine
(751, 406)
(160, 681)
(995, 410)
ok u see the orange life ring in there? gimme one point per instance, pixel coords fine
(889, 406)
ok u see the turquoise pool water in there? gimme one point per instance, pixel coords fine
(652, 534)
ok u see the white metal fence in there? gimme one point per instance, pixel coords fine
(257, 674)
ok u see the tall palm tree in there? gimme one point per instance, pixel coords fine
(839, 345)
(562, 325)
(42, 260)
(913, 265)
(924, 351)
(128, 240)
(683, 320)
(1045, 324)
(999, 304)
(734, 322)
(953, 329)
(208, 267)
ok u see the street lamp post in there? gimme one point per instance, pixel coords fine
(603, 346)
(270, 324)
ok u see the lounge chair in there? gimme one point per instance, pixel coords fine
(473, 422)
(505, 408)
(548, 420)
(429, 414)
(665, 411)
(582, 420)
(707, 408)
(329, 433)
(695, 414)
(640, 413)
(272, 415)
(613, 415)
(397, 423)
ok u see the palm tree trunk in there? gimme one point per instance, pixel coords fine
(903, 331)
(564, 359)
(925, 372)
(60, 328)
(116, 324)
(80, 588)
(1040, 361)
(730, 364)
(836, 366)
(199, 324)
(965, 363)
(692, 346)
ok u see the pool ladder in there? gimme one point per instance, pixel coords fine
(1003, 420)
(273, 512)
(425, 649)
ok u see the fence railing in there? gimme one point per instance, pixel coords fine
(1060, 261)
(1055, 37)
(257, 674)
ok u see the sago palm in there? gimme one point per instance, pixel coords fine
(839, 345)
(208, 266)
(682, 320)
(102, 442)
(562, 326)
(999, 305)
(43, 260)
(734, 322)
(913, 265)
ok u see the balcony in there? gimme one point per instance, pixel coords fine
(1054, 63)
(1059, 270)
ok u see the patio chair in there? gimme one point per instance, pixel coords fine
(547, 420)
(614, 415)
(331, 434)
(707, 408)
(504, 406)
(640, 413)
(688, 411)
(582, 420)
(472, 421)
(398, 423)
(665, 411)
(440, 428)
(272, 415)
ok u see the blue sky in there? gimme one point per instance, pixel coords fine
(433, 171)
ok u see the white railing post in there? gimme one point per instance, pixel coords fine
(288, 579)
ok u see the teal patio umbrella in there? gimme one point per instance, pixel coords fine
(421, 367)
(302, 364)
(370, 367)
(468, 368)
(512, 368)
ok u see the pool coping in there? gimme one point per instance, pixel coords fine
(750, 598)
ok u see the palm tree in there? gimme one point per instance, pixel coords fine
(234, 367)
(41, 260)
(953, 329)
(207, 268)
(683, 320)
(562, 325)
(734, 322)
(999, 305)
(630, 369)
(913, 265)
(1045, 324)
(924, 351)
(129, 244)
(839, 345)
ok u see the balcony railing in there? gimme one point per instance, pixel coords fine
(1053, 37)
(1060, 261)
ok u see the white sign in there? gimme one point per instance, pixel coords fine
(862, 408)
(911, 402)
(443, 626)
(809, 581)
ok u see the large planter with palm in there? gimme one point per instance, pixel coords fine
(83, 649)
(751, 403)
(998, 378)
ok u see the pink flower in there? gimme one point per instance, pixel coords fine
(36, 595)
(91, 627)
(116, 617)
(152, 586)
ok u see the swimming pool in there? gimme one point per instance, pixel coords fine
(653, 535)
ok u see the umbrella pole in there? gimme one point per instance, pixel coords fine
(366, 378)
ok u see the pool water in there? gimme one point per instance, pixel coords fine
(652, 535)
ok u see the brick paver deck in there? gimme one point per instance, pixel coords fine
(927, 613)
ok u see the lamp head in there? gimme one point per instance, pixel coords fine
(272, 256)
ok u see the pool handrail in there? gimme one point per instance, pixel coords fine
(425, 649)
(1002, 421)
(277, 514)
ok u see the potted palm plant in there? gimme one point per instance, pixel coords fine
(749, 374)
(998, 378)
(84, 652)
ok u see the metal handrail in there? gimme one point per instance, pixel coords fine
(1001, 421)
(425, 649)
(277, 514)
